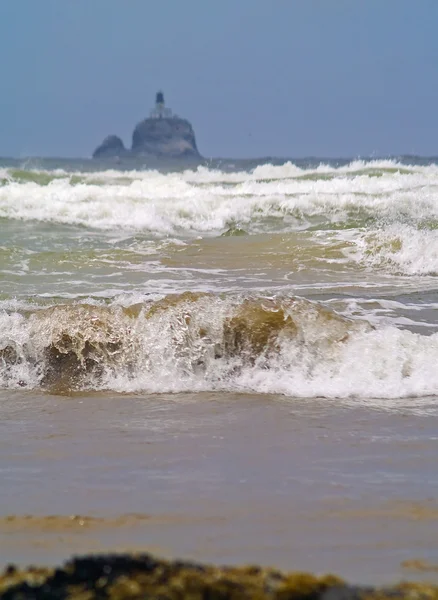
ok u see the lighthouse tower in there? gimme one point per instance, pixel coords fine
(160, 111)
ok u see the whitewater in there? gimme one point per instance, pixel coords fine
(311, 279)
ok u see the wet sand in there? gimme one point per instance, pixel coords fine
(312, 485)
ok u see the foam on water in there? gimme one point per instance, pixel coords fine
(398, 248)
(205, 342)
(205, 174)
(208, 202)
(375, 215)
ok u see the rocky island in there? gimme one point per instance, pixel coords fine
(161, 136)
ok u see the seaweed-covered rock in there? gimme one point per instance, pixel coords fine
(124, 576)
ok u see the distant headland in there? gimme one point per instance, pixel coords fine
(162, 136)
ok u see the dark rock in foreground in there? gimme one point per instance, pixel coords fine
(112, 146)
(172, 138)
(123, 576)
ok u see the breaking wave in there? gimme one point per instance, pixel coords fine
(200, 342)
(269, 198)
(400, 249)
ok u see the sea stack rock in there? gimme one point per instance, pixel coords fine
(165, 137)
(161, 136)
(112, 146)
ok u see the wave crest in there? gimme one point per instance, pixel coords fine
(194, 342)
(207, 201)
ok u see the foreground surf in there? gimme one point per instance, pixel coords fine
(200, 342)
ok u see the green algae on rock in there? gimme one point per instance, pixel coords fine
(124, 576)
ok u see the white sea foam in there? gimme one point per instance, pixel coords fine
(174, 203)
(397, 248)
(388, 363)
(268, 171)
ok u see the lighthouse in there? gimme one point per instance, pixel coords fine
(160, 111)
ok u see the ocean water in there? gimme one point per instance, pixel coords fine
(310, 282)
(310, 285)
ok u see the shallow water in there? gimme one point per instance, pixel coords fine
(300, 484)
(244, 356)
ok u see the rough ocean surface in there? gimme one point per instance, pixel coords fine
(315, 281)
(232, 363)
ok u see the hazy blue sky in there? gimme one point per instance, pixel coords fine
(255, 77)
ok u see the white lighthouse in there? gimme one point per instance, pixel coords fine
(160, 111)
